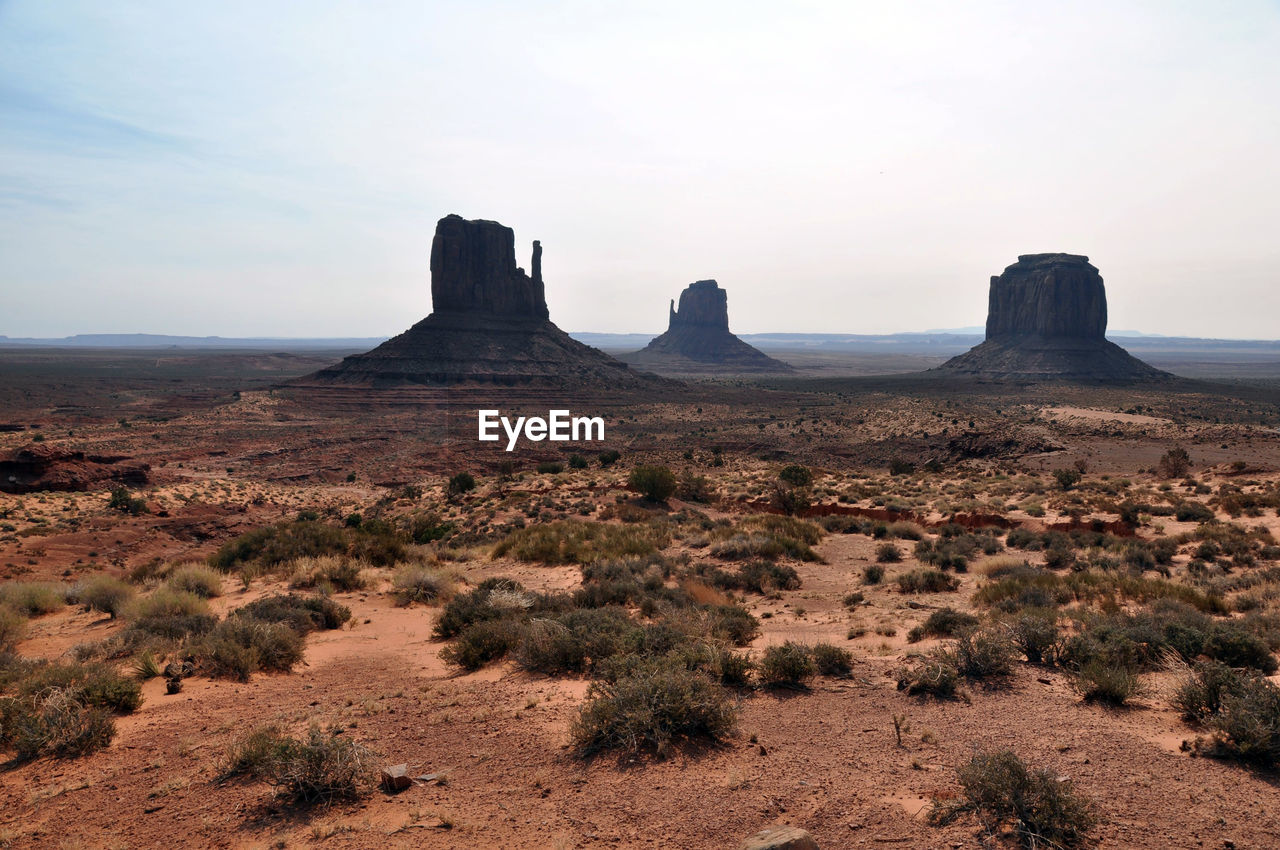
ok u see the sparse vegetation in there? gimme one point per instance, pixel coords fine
(651, 708)
(577, 542)
(655, 483)
(197, 580)
(927, 581)
(126, 503)
(415, 583)
(463, 482)
(1002, 791)
(105, 594)
(322, 767)
(787, 665)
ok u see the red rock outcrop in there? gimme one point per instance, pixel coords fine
(45, 467)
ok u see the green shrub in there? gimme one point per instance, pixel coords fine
(832, 660)
(944, 622)
(1175, 463)
(426, 527)
(377, 544)
(1110, 682)
(763, 577)
(650, 709)
(576, 640)
(791, 501)
(33, 598)
(1201, 693)
(903, 530)
(493, 599)
(277, 544)
(769, 537)
(796, 475)
(302, 614)
(482, 642)
(981, 654)
(123, 501)
(1235, 647)
(873, 574)
(901, 466)
(695, 488)
(927, 581)
(1192, 511)
(225, 659)
(1037, 588)
(239, 646)
(734, 624)
(887, 553)
(608, 457)
(1041, 809)
(1247, 727)
(787, 665)
(1034, 632)
(94, 685)
(196, 579)
(655, 483)
(461, 483)
(1067, 478)
(252, 754)
(577, 462)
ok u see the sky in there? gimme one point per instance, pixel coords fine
(277, 169)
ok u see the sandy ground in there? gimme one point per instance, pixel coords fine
(229, 454)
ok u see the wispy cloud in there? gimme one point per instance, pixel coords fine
(35, 121)
(250, 168)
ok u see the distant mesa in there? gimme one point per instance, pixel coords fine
(1047, 319)
(698, 338)
(489, 325)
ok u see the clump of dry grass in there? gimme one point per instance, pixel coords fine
(421, 583)
(328, 573)
(1042, 810)
(34, 598)
(196, 579)
(321, 767)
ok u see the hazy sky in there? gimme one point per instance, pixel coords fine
(276, 168)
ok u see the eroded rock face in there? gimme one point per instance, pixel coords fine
(45, 467)
(1048, 295)
(1047, 319)
(473, 270)
(702, 304)
(698, 339)
(489, 326)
